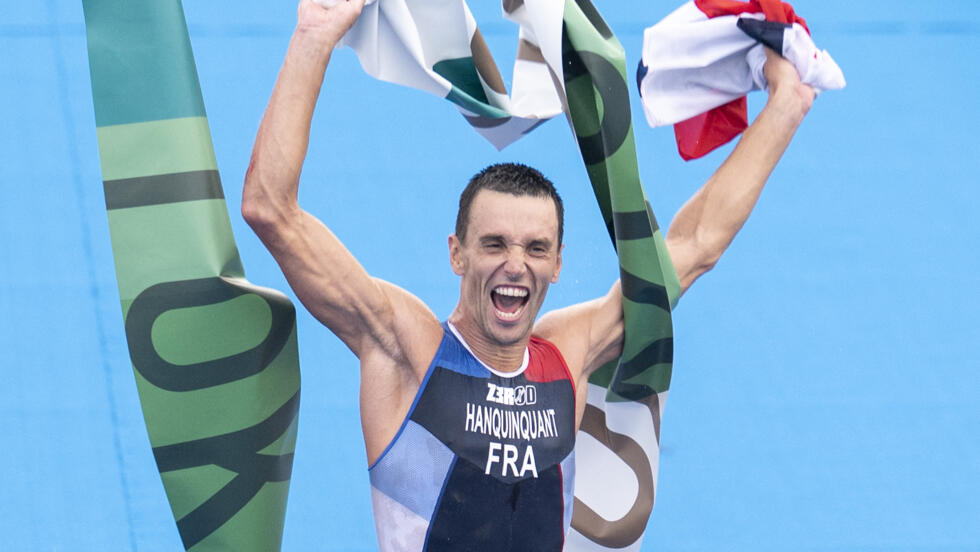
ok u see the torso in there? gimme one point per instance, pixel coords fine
(483, 460)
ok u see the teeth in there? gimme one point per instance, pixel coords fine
(510, 315)
(511, 291)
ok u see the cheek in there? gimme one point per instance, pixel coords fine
(546, 274)
(556, 272)
(474, 280)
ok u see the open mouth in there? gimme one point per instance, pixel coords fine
(509, 301)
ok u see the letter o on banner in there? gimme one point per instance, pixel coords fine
(615, 124)
(160, 298)
(628, 529)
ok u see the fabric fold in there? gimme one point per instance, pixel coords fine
(699, 62)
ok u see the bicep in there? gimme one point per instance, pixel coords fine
(690, 261)
(329, 281)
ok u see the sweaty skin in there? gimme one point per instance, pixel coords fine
(510, 257)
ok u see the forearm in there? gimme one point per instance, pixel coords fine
(272, 181)
(706, 225)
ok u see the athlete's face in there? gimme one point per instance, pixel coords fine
(510, 257)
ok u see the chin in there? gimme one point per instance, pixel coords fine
(510, 335)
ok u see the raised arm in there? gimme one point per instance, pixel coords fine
(703, 228)
(367, 314)
(706, 225)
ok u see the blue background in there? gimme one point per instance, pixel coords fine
(825, 385)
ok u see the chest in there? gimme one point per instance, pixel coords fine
(509, 428)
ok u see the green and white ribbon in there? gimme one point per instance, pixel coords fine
(568, 60)
(436, 46)
(214, 356)
(614, 495)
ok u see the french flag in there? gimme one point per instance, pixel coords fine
(701, 60)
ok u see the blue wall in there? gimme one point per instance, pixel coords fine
(824, 392)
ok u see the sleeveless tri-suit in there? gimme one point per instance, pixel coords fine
(484, 460)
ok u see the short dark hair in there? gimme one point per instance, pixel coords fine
(509, 178)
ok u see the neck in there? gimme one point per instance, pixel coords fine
(501, 357)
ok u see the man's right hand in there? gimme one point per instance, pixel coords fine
(327, 20)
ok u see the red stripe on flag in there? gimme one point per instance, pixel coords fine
(774, 10)
(699, 135)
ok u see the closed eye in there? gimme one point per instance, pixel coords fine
(493, 245)
(539, 249)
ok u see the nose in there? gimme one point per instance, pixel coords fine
(515, 265)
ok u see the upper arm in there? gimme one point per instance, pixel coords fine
(394, 335)
(365, 313)
(690, 259)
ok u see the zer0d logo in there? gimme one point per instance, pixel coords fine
(520, 395)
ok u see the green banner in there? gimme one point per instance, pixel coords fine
(215, 357)
(598, 106)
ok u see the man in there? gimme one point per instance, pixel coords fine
(469, 425)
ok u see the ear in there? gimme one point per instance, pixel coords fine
(456, 255)
(554, 276)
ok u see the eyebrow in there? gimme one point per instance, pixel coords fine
(492, 237)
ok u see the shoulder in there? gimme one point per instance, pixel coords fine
(587, 334)
(546, 361)
(564, 331)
